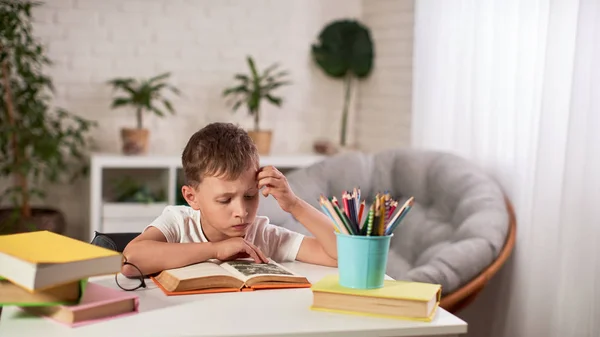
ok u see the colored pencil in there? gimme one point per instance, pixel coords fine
(337, 219)
(397, 217)
(395, 224)
(352, 212)
(361, 210)
(335, 226)
(345, 220)
(382, 220)
(370, 222)
(349, 217)
(346, 206)
(335, 201)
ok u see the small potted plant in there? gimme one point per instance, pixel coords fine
(250, 91)
(344, 50)
(144, 96)
(39, 144)
(128, 189)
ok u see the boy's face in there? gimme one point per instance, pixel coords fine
(227, 207)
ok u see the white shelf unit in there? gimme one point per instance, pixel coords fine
(111, 217)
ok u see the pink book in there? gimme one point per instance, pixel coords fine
(99, 303)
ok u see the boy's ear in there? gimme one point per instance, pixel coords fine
(189, 194)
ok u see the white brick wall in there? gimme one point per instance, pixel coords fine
(384, 99)
(203, 43)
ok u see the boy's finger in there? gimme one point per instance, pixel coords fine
(258, 251)
(277, 173)
(268, 181)
(262, 255)
(252, 254)
(266, 191)
(262, 175)
(268, 171)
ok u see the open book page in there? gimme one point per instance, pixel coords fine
(251, 272)
(198, 270)
(204, 275)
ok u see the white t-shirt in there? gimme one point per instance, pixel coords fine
(182, 224)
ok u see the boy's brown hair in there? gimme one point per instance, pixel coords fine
(219, 150)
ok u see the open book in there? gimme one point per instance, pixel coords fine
(237, 275)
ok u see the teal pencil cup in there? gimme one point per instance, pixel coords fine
(362, 260)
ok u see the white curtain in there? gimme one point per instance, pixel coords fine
(515, 86)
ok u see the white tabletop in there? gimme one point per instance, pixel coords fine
(281, 312)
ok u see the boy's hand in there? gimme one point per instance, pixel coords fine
(275, 184)
(235, 248)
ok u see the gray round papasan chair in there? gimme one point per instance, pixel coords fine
(459, 232)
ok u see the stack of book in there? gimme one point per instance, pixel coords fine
(47, 274)
(396, 299)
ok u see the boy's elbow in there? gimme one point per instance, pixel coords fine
(329, 258)
(129, 255)
(129, 270)
(332, 261)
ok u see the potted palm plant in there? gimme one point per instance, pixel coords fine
(250, 91)
(344, 50)
(38, 144)
(145, 96)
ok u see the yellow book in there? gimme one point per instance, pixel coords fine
(43, 259)
(396, 299)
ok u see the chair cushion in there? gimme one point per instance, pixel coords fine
(455, 229)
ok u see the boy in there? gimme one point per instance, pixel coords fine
(223, 179)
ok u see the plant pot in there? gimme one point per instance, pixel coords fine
(325, 147)
(41, 219)
(329, 148)
(135, 141)
(262, 140)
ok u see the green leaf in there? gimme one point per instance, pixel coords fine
(344, 46)
(237, 90)
(255, 77)
(175, 90)
(269, 70)
(159, 77)
(275, 100)
(237, 105)
(119, 83)
(273, 86)
(157, 87)
(169, 106)
(157, 111)
(120, 101)
(254, 101)
(280, 74)
(245, 79)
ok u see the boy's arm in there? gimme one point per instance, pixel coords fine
(151, 252)
(322, 248)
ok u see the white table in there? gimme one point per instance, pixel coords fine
(283, 312)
